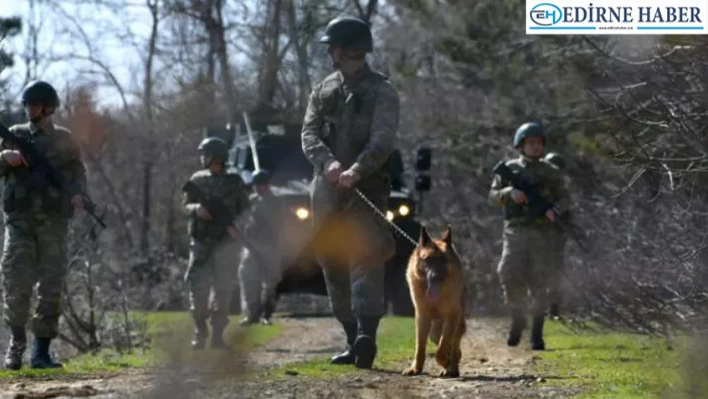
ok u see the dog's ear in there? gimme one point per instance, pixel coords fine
(447, 236)
(424, 237)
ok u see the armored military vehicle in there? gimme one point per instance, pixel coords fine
(279, 151)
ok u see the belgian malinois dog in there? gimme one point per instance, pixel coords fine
(438, 292)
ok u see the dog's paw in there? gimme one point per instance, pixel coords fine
(447, 373)
(411, 371)
(442, 358)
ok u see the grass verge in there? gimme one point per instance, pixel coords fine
(169, 334)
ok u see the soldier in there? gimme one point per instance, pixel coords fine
(260, 270)
(529, 244)
(554, 294)
(348, 135)
(36, 226)
(212, 255)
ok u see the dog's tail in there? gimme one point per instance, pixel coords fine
(436, 330)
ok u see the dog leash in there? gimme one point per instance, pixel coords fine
(383, 216)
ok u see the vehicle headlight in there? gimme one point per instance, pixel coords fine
(389, 215)
(302, 213)
(404, 210)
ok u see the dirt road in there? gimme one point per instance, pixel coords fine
(489, 370)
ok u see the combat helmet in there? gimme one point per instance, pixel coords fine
(260, 177)
(214, 147)
(528, 129)
(556, 159)
(350, 33)
(40, 92)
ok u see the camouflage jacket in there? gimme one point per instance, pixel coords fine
(63, 153)
(551, 181)
(355, 121)
(229, 188)
(261, 226)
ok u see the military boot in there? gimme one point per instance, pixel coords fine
(40, 355)
(268, 309)
(16, 349)
(347, 357)
(200, 335)
(518, 324)
(365, 343)
(537, 343)
(217, 338)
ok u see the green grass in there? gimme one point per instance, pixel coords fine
(609, 365)
(169, 334)
(395, 340)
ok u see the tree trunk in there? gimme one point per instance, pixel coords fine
(149, 119)
(303, 59)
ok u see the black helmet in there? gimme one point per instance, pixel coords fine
(350, 33)
(214, 147)
(261, 176)
(40, 92)
(529, 129)
(556, 159)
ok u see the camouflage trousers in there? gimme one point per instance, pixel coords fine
(259, 274)
(34, 253)
(353, 246)
(210, 278)
(528, 266)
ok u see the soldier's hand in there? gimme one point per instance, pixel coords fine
(348, 179)
(202, 213)
(233, 233)
(78, 201)
(551, 215)
(332, 171)
(13, 157)
(518, 196)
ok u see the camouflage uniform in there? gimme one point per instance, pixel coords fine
(261, 266)
(530, 246)
(36, 228)
(557, 268)
(213, 256)
(355, 121)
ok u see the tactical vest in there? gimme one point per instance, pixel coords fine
(225, 187)
(28, 191)
(348, 115)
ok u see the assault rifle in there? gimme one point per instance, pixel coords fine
(41, 170)
(220, 213)
(538, 206)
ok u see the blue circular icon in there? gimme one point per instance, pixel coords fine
(546, 14)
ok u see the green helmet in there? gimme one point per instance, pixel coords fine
(214, 147)
(556, 159)
(40, 92)
(261, 176)
(528, 129)
(350, 33)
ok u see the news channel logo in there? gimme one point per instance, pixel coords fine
(619, 17)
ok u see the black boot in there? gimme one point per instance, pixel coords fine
(537, 343)
(268, 309)
(554, 312)
(16, 349)
(347, 357)
(518, 324)
(40, 355)
(200, 335)
(217, 338)
(365, 343)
